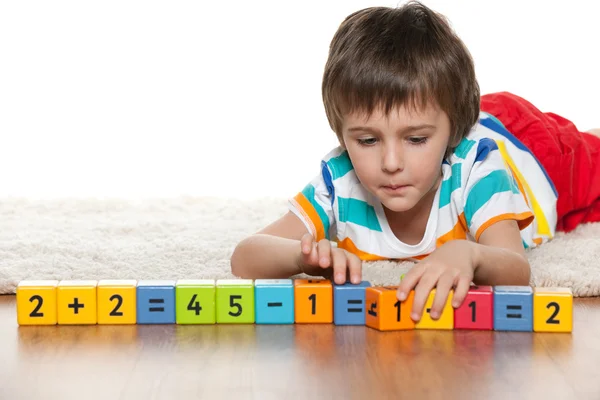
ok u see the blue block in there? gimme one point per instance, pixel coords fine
(156, 302)
(349, 303)
(513, 308)
(274, 301)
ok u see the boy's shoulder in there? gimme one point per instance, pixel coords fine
(478, 143)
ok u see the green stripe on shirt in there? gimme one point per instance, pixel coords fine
(495, 182)
(358, 212)
(340, 165)
(451, 184)
(309, 193)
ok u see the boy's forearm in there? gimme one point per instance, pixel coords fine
(498, 266)
(263, 256)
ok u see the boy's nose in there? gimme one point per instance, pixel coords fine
(392, 160)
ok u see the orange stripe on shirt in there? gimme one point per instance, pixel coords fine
(348, 244)
(311, 215)
(523, 220)
(458, 232)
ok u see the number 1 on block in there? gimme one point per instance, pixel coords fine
(313, 301)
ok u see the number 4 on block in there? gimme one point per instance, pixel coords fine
(195, 301)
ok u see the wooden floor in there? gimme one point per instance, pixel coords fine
(298, 362)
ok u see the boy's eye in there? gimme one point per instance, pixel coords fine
(367, 141)
(417, 140)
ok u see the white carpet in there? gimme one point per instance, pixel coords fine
(194, 238)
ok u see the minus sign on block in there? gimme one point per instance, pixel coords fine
(278, 304)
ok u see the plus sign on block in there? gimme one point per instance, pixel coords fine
(76, 302)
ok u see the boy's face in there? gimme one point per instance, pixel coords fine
(398, 164)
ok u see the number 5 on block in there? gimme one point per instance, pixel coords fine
(235, 301)
(36, 302)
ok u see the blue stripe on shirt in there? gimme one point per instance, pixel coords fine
(497, 181)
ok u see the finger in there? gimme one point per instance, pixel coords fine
(306, 243)
(324, 250)
(310, 255)
(461, 291)
(339, 266)
(422, 290)
(443, 287)
(355, 267)
(410, 280)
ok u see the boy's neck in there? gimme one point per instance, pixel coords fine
(409, 226)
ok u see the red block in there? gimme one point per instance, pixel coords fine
(477, 311)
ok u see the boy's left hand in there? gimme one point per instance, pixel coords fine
(451, 265)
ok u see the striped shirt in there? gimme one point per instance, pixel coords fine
(491, 176)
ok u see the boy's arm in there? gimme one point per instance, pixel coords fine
(500, 257)
(273, 252)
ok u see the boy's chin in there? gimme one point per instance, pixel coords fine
(398, 204)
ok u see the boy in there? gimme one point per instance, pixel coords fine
(422, 172)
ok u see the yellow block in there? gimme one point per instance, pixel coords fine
(36, 302)
(446, 320)
(552, 309)
(117, 301)
(76, 302)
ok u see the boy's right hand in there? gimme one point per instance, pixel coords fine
(317, 257)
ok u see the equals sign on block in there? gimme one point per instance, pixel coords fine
(514, 308)
(156, 301)
(355, 309)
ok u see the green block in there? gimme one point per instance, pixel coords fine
(195, 301)
(235, 301)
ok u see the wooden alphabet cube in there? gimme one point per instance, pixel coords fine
(156, 302)
(349, 303)
(477, 311)
(117, 301)
(313, 301)
(76, 302)
(385, 312)
(36, 302)
(513, 308)
(446, 320)
(552, 309)
(195, 301)
(235, 301)
(274, 301)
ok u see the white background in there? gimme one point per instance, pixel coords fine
(159, 99)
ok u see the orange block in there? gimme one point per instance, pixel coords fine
(313, 301)
(385, 312)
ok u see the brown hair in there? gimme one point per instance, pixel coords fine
(390, 57)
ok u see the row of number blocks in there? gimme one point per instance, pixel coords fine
(285, 301)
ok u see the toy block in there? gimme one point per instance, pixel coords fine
(477, 310)
(36, 302)
(195, 301)
(445, 321)
(385, 312)
(513, 308)
(313, 301)
(117, 301)
(156, 302)
(235, 301)
(76, 302)
(274, 301)
(552, 309)
(349, 303)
